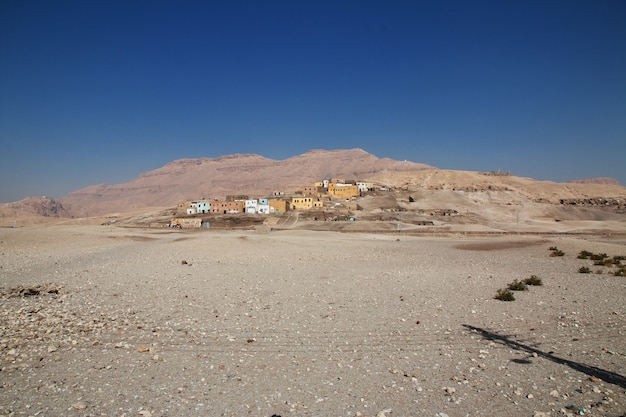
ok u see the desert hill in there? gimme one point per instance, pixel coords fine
(35, 209)
(188, 179)
(417, 194)
(526, 188)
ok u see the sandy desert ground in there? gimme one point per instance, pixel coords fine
(111, 321)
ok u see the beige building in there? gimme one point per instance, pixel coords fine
(187, 223)
(236, 197)
(182, 207)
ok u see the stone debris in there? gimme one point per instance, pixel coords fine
(237, 335)
(32, 291)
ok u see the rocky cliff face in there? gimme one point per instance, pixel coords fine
(188, 179)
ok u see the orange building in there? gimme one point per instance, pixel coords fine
(278, 206)
(227, 207)
(312, 191)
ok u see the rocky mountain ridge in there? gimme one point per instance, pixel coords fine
(255, 175)
(187, 179)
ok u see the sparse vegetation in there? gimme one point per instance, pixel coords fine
(504, 294)
(517, 286)
(604, 260)
(533, 280)
(556, 252)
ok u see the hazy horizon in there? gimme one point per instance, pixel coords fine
(100, 92)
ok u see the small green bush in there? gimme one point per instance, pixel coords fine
(533, 280)
(504, 294)
(584, 270)
(557, 252)
(553, 248)
(517, 286)
(598, 256)
(584, 254)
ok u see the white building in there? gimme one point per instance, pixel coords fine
(251, 206)
(361, 186)
(203, 206)
(263, 207)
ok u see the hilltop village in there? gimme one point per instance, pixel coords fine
(191, 214)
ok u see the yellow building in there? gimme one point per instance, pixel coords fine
(341, 190)
(301, 203)
(306, 203)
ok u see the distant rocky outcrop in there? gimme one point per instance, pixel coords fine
(187, 179)
(615, 203)
(39, 206)
(600, 180)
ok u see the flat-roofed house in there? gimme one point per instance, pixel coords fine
(277, 205)
(227, 207)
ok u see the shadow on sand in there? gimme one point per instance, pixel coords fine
(606, 376)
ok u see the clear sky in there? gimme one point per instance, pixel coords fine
(98, 92)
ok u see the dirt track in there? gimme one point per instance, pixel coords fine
(300, 323)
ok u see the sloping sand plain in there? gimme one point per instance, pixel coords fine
(111, 321)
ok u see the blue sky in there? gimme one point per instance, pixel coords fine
(100, 91)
